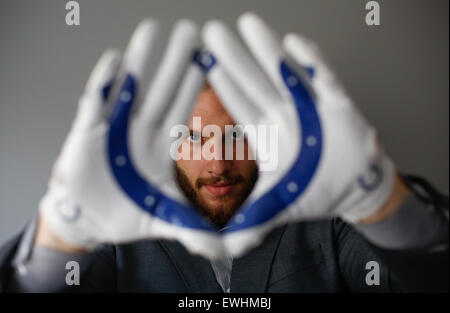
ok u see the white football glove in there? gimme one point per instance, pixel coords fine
(329, 161)
(113, 180)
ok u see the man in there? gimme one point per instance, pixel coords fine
(408, 221)
(216, 187)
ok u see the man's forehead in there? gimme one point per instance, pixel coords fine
(210, 109)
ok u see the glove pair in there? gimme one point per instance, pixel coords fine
(114, 179)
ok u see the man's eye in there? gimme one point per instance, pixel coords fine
(236, 134)
(195, 137)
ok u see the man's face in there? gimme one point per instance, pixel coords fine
(216, 187)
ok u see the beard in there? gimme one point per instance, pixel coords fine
(217, 215)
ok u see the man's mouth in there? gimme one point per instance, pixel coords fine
(219, 190)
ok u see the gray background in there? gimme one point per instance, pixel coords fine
(396, 72)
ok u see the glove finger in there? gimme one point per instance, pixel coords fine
(136, 56)
(103, 74)
(235, 101)
(305, 52)
(190, 86)
(325, 83)
(265, 46)
(183, 41)
(140, 48)
(240, 65)
(267, 49)
(92, 102)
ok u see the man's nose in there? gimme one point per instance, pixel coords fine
(218, 165)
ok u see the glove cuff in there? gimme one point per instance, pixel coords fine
(370, 191)
(67, 221)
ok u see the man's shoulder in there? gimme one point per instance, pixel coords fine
(7, 253)
(317, 230)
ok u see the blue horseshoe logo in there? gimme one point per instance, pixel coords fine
(295, 181)
(286, 191)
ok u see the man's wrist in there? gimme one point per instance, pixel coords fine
(398, 195)
(47, 238)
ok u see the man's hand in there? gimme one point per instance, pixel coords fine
(113, 180)
(332, 162)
